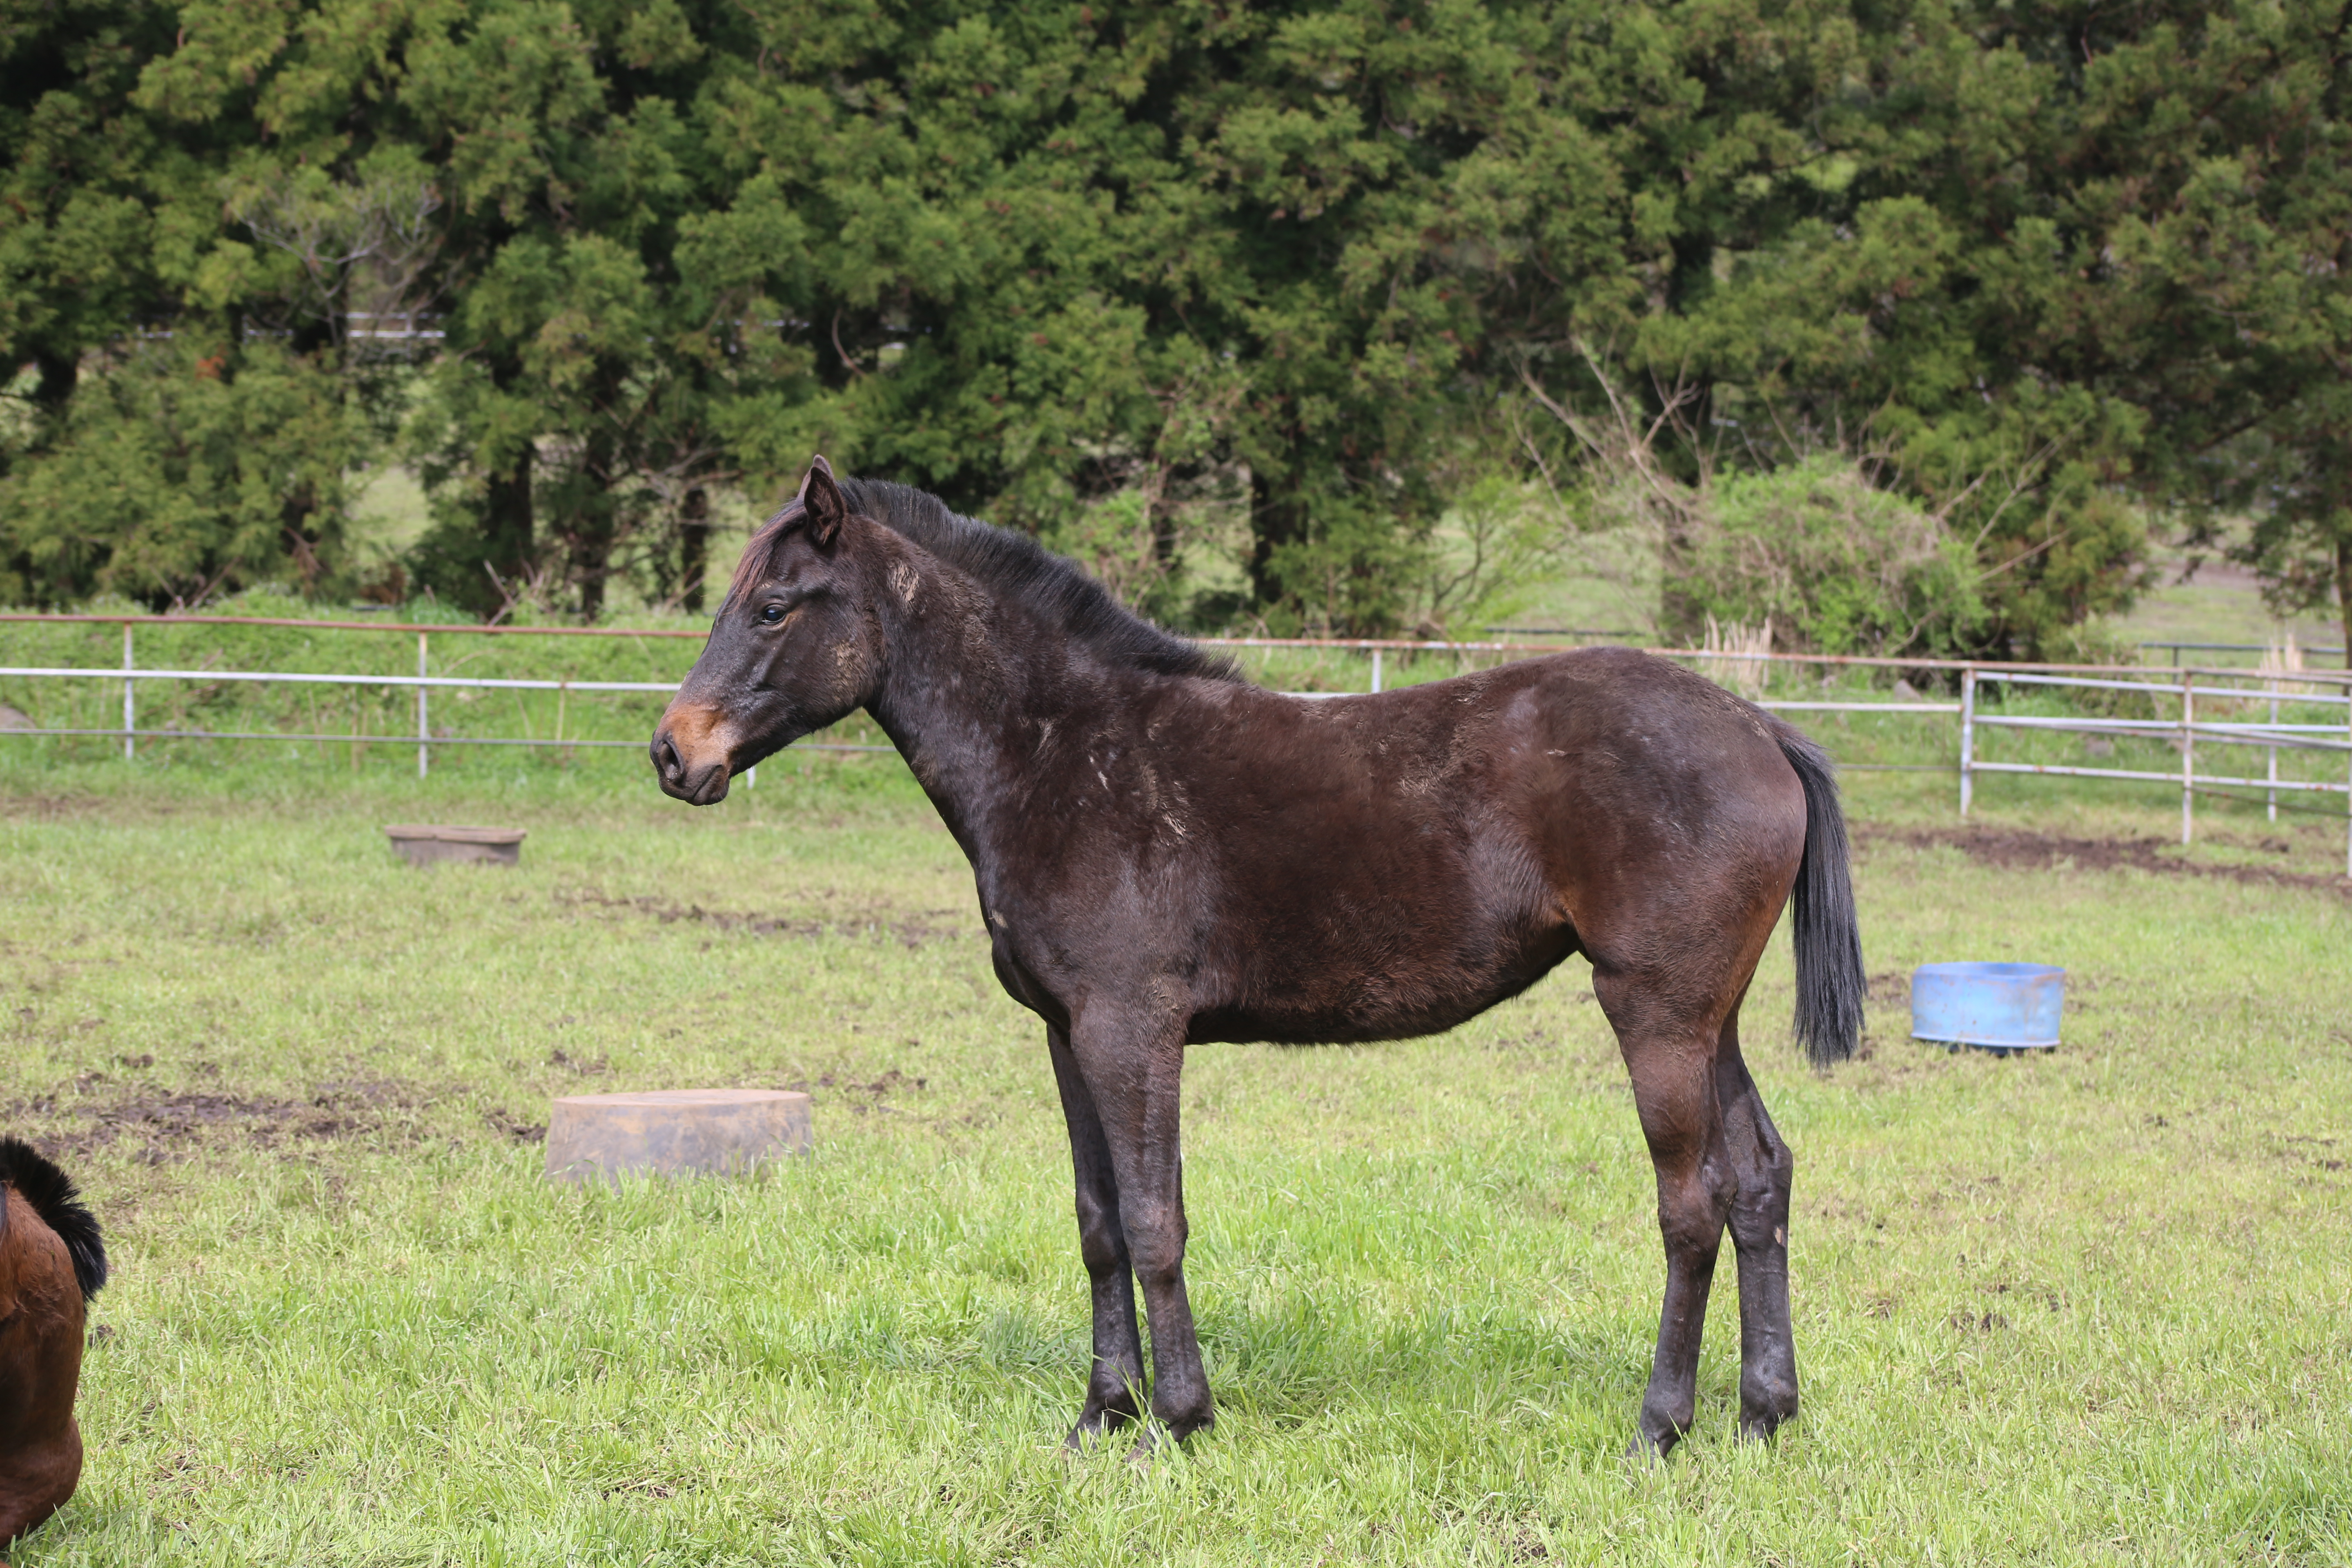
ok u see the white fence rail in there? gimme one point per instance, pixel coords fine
(2221, 690)
(2270, 737)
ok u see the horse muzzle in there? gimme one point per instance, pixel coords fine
(691, 752)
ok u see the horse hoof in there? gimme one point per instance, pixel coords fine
(1651, 1446)
(1765, 1406)
(1090, 1430)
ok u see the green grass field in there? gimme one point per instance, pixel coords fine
(2088, 1307)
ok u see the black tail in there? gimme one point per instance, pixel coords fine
(51, 1192)
(1830, 981)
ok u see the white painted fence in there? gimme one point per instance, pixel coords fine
(2223, 691)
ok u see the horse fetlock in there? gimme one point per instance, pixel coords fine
(1115, 1386)
(1669, 1405)
(1185, 1419)
(1765, 1405)
(1655, 1436)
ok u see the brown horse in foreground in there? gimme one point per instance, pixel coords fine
(52, 1261)
(1166, 855)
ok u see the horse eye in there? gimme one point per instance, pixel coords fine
(771, 614)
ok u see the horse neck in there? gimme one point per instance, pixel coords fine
(970, 685)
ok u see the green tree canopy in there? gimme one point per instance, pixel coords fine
(2042, 267)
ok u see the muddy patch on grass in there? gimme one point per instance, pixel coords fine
(508, 1125)
(50, 808)
(168, 1126)
(851, 1089)
(910, 931)
(2012, 849)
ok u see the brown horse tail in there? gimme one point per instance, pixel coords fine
(1830, 981)
(51, 1194)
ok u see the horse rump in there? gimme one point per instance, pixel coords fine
(51, 1195)
(45, 1289)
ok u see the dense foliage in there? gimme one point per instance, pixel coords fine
(1113, 271)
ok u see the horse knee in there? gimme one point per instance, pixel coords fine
(1155, 1245)
(1103, 1249)
(1102, 1241)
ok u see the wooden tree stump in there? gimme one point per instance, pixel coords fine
(425, 844)
(674, 1133)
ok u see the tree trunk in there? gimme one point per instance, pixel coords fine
(591, 562)
(1277, 517)
(2343, 592)
(693, 547)
(592, 524)
(508, 525)
(58, 374)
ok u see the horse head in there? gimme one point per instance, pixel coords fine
(795, 646)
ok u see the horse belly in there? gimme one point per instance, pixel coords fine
(1334, 986)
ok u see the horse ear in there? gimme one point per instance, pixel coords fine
(822, 503)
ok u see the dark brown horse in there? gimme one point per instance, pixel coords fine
(1166, 855)
(52, 1261)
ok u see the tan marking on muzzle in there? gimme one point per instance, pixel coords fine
(700, 733)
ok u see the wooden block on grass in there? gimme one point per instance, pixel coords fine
(674, 1133)
(425, 844)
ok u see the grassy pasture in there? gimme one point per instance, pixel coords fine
(2089, 1307)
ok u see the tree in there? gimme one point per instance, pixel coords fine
(1089, 268)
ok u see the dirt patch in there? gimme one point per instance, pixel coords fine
(1890, 990)
(2013, 849)
(50, 808)
(166, 1126)
(908, 932)
(861, 1097)
(506, 1124)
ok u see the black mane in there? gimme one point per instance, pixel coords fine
(1016, 567)
(51, 1194)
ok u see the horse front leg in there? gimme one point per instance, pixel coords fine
(1132, 1068)
(1115, 1384)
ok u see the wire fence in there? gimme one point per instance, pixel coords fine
(2197, 711)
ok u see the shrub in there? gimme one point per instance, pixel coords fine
(1836, 564)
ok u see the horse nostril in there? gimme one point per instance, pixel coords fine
(666, 758)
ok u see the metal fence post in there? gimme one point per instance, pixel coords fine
(2187, 753)
(129, 712)
(1376, 672)
(2273, 770)
(423, 733)
(1968, 732)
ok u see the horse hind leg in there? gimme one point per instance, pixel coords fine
(1763, 1169)
(1115, 1381)
(1670, 1062)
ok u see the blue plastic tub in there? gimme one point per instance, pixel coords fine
(1996, 1006)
